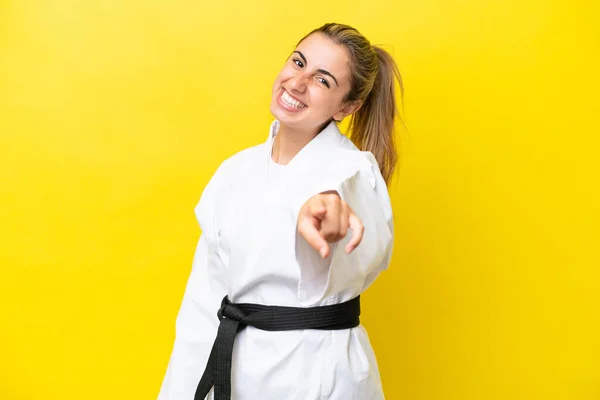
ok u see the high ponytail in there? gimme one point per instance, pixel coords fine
(372, 126)
(374, 76)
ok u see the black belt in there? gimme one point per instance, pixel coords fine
(235, 317)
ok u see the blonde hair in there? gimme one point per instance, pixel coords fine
(372, 127)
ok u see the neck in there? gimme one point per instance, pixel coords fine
(288, 142)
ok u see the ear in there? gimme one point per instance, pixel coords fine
(348, 108)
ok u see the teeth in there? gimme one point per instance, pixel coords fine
(290, 101)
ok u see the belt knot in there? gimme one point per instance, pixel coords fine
(230, 311)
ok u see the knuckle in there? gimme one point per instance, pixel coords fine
(329, 234)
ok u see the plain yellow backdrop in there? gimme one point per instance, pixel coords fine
(114, 115)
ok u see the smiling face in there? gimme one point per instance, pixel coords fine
(312, 85)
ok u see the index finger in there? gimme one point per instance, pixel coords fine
(312, 236)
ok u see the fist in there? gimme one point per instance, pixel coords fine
(325, 218)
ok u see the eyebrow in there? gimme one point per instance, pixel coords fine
(324, 72)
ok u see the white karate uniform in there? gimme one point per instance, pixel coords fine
(249, 250)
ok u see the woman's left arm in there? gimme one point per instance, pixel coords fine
(352, 224)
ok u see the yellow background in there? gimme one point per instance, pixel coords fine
(114, 114)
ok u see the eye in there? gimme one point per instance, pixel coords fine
(324, 81)
(298, 63)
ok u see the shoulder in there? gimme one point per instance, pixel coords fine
(236, 164)
(242, 159)
(232, 167)
(351, 161)
(210, 208)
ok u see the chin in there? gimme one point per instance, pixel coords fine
(283, 116)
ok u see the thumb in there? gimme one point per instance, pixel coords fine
(316, 209)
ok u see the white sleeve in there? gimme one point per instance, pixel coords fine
(197, 322)
(196, 325)
(366, 193)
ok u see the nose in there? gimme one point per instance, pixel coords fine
(297, 83)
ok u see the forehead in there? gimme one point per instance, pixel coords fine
(323, 53)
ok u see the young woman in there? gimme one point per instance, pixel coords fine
(293, 231)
